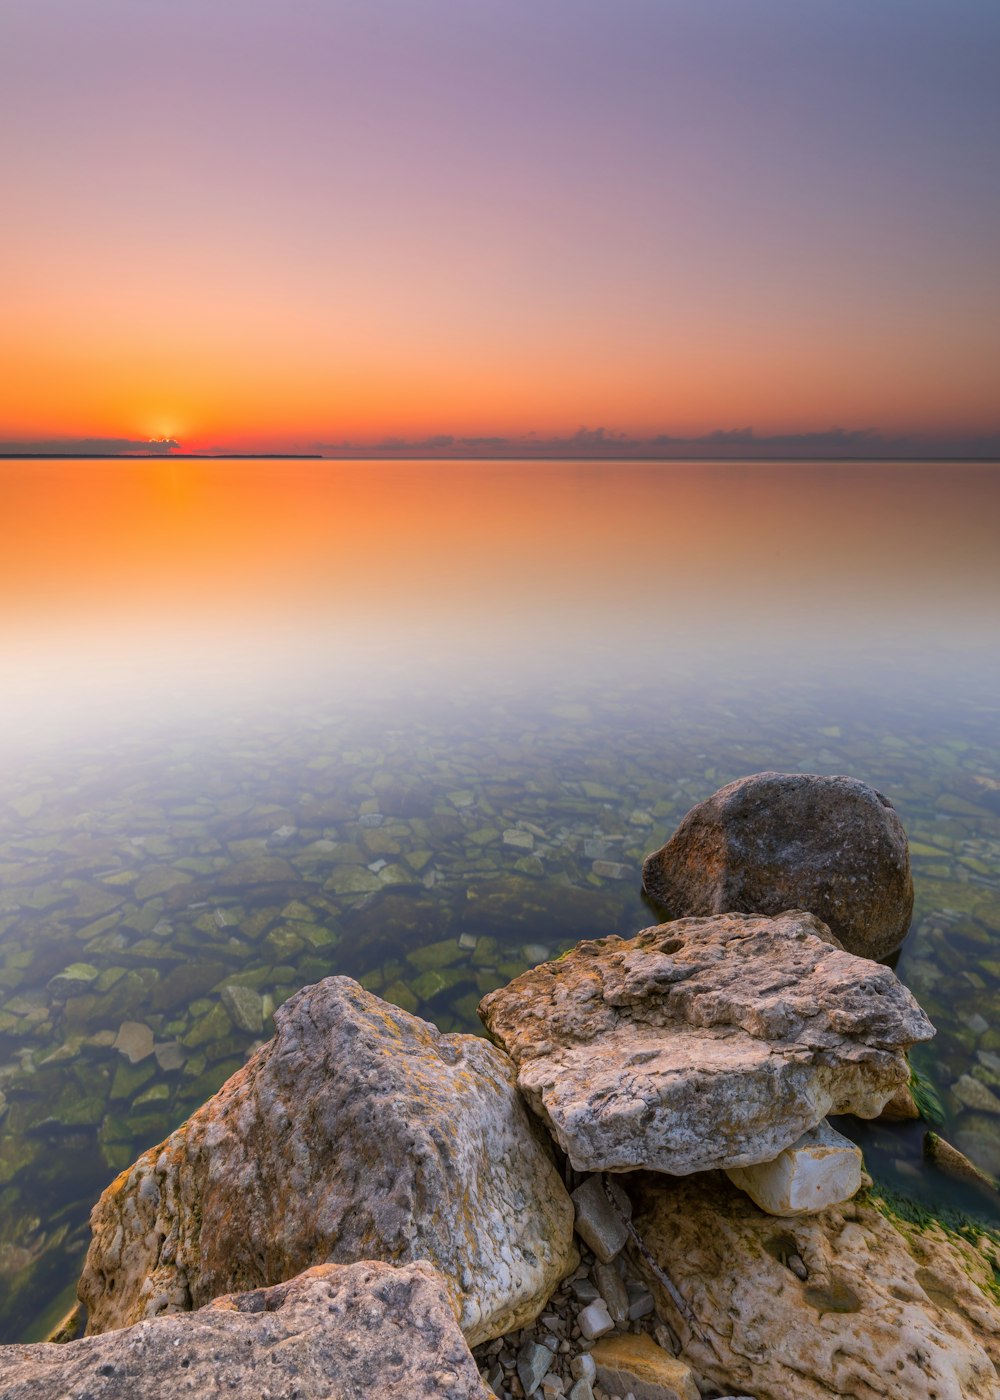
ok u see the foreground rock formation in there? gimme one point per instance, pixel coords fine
(704, 1043)
(850, 1302)
(336, 1332)
(358, 1132)
(775, 841)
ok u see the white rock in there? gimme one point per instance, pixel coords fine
(822, 1169)
(595, 1320)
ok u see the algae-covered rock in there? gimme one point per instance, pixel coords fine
(777, 841)
(358, 1131)
(335, 1332)
(705, 1042)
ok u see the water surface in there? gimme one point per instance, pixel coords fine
(419, 722)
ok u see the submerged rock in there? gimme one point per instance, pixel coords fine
(704, 1043)
(333, 1333)
(359, 1131)
(777, 841)
(848, 1302)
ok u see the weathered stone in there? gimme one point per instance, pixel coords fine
(777, 841)
(954, 1163)
(885, 1309)
(635, 1364)
(598, 1224)
(358, 1131)
(973, 1093)
(822, 1169)
(335, 1332)
(73, 980)
(705, 1042)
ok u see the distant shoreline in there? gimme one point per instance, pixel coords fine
(993, 459)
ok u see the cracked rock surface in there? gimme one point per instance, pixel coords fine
(333, 1333)
(358, 1132)
(704, 1043)
(852, 1301)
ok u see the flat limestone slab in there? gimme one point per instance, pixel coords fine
(336, 1332)
(822, 1169)
(704, 1043)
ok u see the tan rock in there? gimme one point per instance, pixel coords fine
(850, 1302)
(776, 841)
(358, 1132)
(335, 1332)
(635, 1363)
(822, 1169)
(705, 1042)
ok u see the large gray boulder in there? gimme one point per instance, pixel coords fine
(704, 1043)
(358, 1132)
(778, 841)
(336, 1332)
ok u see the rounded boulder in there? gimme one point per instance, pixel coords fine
(775, 841)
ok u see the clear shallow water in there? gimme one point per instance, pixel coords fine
(266, 722)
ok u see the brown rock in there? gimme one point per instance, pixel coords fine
(777, 841)
(849, 1302)
(635, 1363)
(358, 1132)
(335, 1332)
(705, 1042)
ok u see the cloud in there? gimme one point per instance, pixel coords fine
(88, 447)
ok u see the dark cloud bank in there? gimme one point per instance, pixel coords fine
(88, 447)
(857, 444)
(836, 443)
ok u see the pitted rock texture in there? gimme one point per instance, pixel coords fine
(778, 841)
(705, 1042)
(335, 1332)
(358, 1132)
(849, 1302)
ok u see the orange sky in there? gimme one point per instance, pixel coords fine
(328, 226)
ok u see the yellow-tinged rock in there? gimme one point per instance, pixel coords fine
(635, 1363)
(358, 1132)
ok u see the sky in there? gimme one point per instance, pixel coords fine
(535, 225)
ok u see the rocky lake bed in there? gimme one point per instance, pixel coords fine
(427, 890)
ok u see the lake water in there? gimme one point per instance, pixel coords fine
(261, 722)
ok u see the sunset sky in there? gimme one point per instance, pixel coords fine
(321, 225)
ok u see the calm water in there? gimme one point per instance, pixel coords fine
(262, 722)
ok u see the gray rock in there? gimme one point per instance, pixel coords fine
(704, 1043)
(777, 841)
(245, 1007)
(328, 1145)
(334, 1333)
(582, 1367)
(613, 1291)
(533, 1363)
(134, 1040)
(598, 1224)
